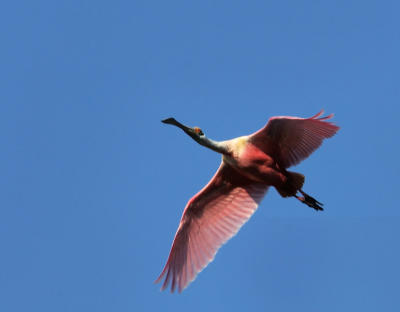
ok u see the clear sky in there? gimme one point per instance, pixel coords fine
(92, 184)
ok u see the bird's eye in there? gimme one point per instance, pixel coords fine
(198, 131)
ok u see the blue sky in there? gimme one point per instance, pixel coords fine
(93, 184)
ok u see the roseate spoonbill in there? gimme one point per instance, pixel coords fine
(250, 164)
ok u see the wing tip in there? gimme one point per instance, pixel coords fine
(334, 128)
(160, 277)
(170, 281)
(173, 284)
(320, 113)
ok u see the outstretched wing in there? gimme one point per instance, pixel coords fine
(291, 139)
(210, 219)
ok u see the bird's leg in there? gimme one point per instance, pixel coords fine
(309, 201)
(293, 183)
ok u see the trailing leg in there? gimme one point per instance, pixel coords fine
(309, 201)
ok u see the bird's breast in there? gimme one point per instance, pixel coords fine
(248, 158)
(238, 146)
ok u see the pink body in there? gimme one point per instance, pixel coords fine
(250, 165)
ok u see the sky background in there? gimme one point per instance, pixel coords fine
(92, 184)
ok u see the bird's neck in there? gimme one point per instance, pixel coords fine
(219, 147)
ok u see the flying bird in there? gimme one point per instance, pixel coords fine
(250, 165)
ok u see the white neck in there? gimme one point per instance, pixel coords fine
(219, 147)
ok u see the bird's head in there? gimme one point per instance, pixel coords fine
(198, 135)
(194, 132)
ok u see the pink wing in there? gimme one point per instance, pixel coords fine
(210, 219)
(291, 139)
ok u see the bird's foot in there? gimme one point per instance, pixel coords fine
(310, 201)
